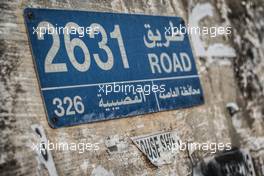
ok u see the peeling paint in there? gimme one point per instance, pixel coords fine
(115, 144)
(100, 171)
(198, 13)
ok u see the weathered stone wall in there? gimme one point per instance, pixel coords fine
(229, 80)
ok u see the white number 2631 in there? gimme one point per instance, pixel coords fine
(70, 44)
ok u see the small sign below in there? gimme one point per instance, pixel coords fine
(158, 147)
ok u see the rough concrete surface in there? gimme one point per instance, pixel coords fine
(232, 81)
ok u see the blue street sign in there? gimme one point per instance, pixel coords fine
(95, 66)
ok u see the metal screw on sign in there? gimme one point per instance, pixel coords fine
(30, 16)
(55, 120)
